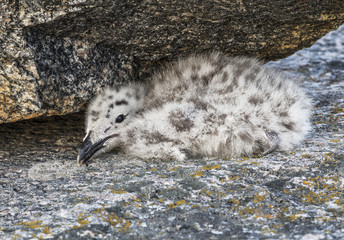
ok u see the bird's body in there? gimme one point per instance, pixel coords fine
(204, 105)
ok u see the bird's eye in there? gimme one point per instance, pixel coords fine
(120, 118)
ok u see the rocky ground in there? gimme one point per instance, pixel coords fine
(292, 195)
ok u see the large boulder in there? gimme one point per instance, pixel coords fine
(56, 54)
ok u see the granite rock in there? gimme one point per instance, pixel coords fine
(56, 54)
(44, 194)
(51, 76)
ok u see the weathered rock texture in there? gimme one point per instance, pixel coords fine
(55, 54)
(299, 195)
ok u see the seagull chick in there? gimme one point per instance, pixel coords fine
(203, 105)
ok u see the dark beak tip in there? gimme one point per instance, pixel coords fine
(79, 161)
(88, 149)
(84, 152)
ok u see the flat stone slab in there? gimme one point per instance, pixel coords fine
(285, 195)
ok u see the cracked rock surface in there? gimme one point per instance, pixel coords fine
(290, 195)
(55, 55)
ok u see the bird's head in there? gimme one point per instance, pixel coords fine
(107, 118)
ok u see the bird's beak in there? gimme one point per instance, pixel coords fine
(88, 149)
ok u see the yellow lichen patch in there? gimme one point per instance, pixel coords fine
(112, 219)
(181, 202)
(98, 210)
(284, 209)
(33, 224)
(309, 183)
(209, 167)
(120, 191)
(266, 230)
(125, 227)
(234, 178)
(329, 158)
(322, 190)
(234, 201)
(216, 194)
(299, 215)
(206, 192)
(255, 163)
(320, 122)
(135, 202)
(16, 236)
(170, 206)
(127, 214)
(199, 173)
(82, 220)
(139, 206)
(115, 221)
(247, 211)
(340, 203)
(259, 197)
(178, 203)
(126, 204)
(337, 109)
(313, 197)
(173, 169)
(46, 230)
(335, 140)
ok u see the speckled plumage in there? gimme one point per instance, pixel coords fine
(204, 105)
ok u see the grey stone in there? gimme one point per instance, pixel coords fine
(56, 54)
(284, 195)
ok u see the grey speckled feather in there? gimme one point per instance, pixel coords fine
(204, 105)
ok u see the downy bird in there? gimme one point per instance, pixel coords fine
(206, 105)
